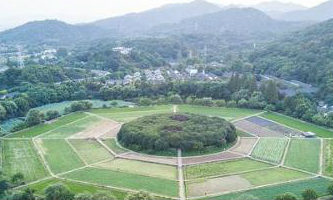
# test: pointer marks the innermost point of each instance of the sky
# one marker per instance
(17, 12)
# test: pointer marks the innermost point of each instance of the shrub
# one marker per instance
(310, 194)
(52, 114)
(286, 196)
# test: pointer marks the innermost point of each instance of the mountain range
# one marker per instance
(195, 17)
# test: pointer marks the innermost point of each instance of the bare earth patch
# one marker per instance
(102, 128)
(244, 146)
(210, 158)
(256, 130)
(148, 158)
(217, 185)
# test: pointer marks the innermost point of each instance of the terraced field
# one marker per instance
(328, 158)
(112, 144)
(20, 156)
(59, 155)
(125, 180)
(304, 154)
(223, 168)
(270, 149)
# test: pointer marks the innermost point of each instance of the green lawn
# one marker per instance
(42, 128)
(223, 168)
(20, 156)
(275, 175)
(59, 155)
(128, 114)
(73, 128)
(91, 151)
(270, 149)
(328, 158)
(125, 180)
(143, 168)
(226, 113)
(304, 154)
(76, 188)
(298, 124)
(112, 144)
(271, 192)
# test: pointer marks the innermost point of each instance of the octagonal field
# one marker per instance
(81, 150)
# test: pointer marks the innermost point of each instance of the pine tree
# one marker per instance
(272, 93)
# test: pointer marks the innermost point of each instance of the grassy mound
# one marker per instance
(168, 132)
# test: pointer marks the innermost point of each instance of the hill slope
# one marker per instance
(275, 6)
(172, 13)
(50, 31)
(236, 21)
(305, 55)
(321, 12)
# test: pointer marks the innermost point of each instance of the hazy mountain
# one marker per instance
(172, 13)
(306, 55)
(275, 6)
(50, 31)
(321, 12)
(242, 21)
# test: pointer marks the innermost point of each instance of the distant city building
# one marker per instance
(122, 50)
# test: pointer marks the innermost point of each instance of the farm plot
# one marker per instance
(102, 128)
(72, 129)
(216, 186)
(275, 175)
(148, 158)
(328, 158)
(128, 114)
(59, 155)
(271, 192)
(142, 168)
(244, 145)
(226, 113)
(43, 128)
(76, 188)
(274, 126)
(20, 156)
(90, 151)
(112, 144)
(223, 168)
(254, 129)
(270, 149)
(304, 154)
(299, 125)
(210, 158)
(125, 180)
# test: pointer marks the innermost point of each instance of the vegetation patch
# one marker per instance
(275, 175)
(304, 154)
(59, 155)
(165, 132)
(43, 128)
(90, 150)
(125, 180)
(223, 168)
(270, 149)
(226, 113)
(19, 156)
(271, 192)
(112, 144)
(143, 168)
(298, 124)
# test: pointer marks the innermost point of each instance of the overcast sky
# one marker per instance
(17, 12)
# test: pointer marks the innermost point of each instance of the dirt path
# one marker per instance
(175, 108)
(106, 147)
(240, 119)
(181, 176)
(285, 152)
(321, 162)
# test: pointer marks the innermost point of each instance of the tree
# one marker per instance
(139, 196)
(272, 93)
(286, 196)
(27, 194)
(4, 186)
(17, 178)
(330, 190)
(309, 194)
(58, 192)
(34, 117)
(52, 114)
(145, 102)
(2, 112)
